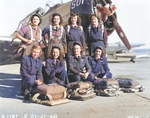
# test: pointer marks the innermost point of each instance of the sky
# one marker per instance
(133, 17)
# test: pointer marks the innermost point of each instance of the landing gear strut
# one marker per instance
(132, 60)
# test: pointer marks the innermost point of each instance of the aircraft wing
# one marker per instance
(115, 47)
(6, 49)
(116, 53)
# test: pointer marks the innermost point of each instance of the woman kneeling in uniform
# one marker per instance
(55, 68)
(78, 66)
(99, 65)
(31, 70)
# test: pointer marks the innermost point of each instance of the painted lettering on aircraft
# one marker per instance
(76, 3)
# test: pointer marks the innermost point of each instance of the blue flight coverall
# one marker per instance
(99, 68)
(96, 37)
(56, 72)
(30, 71)
(75, 34)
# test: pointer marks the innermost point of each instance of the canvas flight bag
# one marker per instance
(57, 92)
(129, 85)
(106, 87)
(80, 90)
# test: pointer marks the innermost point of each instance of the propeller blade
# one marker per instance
(121, 34)
(118, 29)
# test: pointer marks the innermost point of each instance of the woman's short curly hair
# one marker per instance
(78, 18)
(37, 47)
(37, 15)
(56, 14)
(94, 16)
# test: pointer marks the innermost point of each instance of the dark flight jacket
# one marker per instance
(76, 65)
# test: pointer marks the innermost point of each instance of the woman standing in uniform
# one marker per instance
(96, 35)
(54, 35)
(74, 33)
(30, 34)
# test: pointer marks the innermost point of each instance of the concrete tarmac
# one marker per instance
(127, 105)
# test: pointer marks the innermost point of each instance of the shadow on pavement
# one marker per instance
(10, 86)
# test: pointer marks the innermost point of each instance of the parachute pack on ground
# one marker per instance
(85, 90)
(130, 85)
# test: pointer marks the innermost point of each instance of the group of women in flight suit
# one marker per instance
(58, 40)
